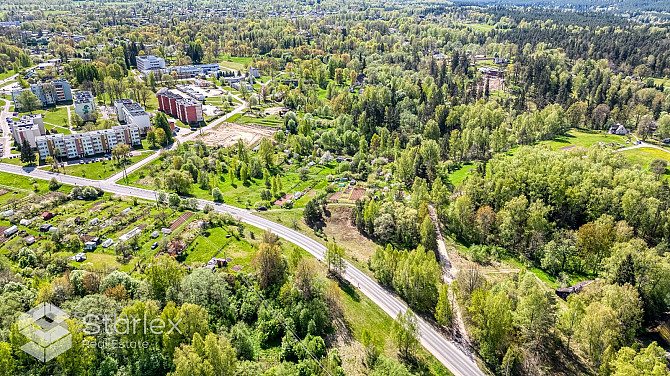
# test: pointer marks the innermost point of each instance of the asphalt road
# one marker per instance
(456, 360)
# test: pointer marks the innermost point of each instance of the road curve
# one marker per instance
(455, 359)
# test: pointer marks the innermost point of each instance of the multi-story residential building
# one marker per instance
(87, 144)
(49, 93)
(29, 127)
(84, 104)
(149, 62)
(187, 71)
(188, 110)
(129, 112)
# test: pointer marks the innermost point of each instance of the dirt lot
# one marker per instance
(227, 134)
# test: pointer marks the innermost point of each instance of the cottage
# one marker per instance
(30, 240)
(166, 231)
(564, 292)
(618, 129)
(94, 221)
(47, 215)
(25, 222)
(155, 234)
(79, 257)
(11, 231)
(90, 246)
(8, 213)
(107, 243)
(45, 227)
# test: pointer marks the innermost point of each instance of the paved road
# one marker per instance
(456, 360)
(644, 145)
(6, 139)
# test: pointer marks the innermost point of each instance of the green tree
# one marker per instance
(443, 311)
(164, 272)
(491, 312)
(217, 195)
(335, 259)
(27, 153)
(27, 101)
(270, 265)
(405, 333)
(650, 360)
(161, 122)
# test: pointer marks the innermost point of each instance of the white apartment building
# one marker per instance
(84, 104)
(129, 112)
(29, 127)
(87, 144)
(149, 62)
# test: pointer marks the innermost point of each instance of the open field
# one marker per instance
(102, 169)
(585, 139)
(644, 156)
(227, 134)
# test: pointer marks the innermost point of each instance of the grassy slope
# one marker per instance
(101, 170)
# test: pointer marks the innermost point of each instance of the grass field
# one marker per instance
(644, 156)
(457, 177)
(267, 120)
(235, 62)
(102, 169)
(584, 139)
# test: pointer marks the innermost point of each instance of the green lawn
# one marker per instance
(584, 139)
(57, 116)
(267, 120)
(235, 63)
(102, 169)
(457, 177)
(644, 156)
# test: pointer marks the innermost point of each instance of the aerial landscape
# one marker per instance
(331, 188)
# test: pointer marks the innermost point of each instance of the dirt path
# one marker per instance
(449, 273)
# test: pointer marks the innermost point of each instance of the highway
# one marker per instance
(459, 362)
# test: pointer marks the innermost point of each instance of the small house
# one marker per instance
(25, 222)
(30, 240)
(45, 227)
(564, 292)
(8, 213)
(53, 229)
(166, 231)
(79, 257)
(155, 234)
(618, 129)
(47, 216)
(107, 243)
(94, 221)
(90, 246)
(11, 231)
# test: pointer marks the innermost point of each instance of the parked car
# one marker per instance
(154, 245)
(666, 141)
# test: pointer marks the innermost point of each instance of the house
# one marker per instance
(618, 129)
(107, 243)
(8, 213)
(154, 235)
(25, 222)
(11, 231)
(45, 227)
(90, 246)
(253, 72)
(166, 231)
(217, 262)
(30, 240)
(94, 221)
(79, 257)
(47, 216)
(564, 292)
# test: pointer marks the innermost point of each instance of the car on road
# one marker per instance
(666, 141)
(262, 208)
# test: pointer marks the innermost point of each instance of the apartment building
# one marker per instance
(149, 62)
(188, 110)
(49, 93)
(87, 144)
(28, 127)
(129, 112)
(84, 104)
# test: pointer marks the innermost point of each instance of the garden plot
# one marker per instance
(227, 134)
